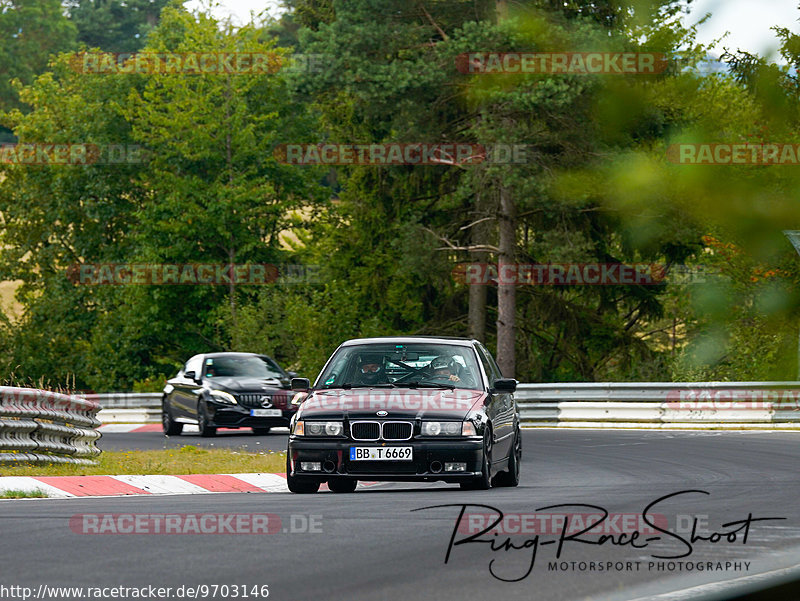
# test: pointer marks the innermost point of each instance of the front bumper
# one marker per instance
(427, 453)
(236, 416)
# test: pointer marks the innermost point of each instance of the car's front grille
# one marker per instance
(253, 400)
(373, 430)
(365, 430)
(397, 430)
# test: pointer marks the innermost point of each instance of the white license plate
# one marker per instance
(381, 453)
(266, 412)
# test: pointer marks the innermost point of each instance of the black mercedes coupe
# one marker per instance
(405, 409)
(228, 390)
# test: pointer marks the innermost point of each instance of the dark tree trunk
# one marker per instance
(481, 233)
(506, 292)
(507, 244)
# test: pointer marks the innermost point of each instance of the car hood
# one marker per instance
(397, 402)
(245, 384)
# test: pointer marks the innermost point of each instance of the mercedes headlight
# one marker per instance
(223, 397)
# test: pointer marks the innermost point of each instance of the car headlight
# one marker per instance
(223, 397)
(441, 429)
(305, 428)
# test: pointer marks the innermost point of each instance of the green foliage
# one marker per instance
(210, 193)
(744, 325)
(402, 87)
(114, 25)
(598, 188)
(31, 30)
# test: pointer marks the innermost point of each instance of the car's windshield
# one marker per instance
(406, 365)
(240, 367)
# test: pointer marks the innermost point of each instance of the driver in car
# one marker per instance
(445, 368)
(370, 370)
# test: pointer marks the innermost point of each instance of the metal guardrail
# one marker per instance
(690, 405)
(38, 426)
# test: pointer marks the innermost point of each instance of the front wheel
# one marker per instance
(206, 431)
(298, 485)
(511, 477)
(170, 427)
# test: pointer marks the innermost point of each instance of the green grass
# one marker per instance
(23, 494)
(186, 460)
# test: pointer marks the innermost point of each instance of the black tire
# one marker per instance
(299, 486)
(169, 427)
(511, 477)
(342, 485)
(206, 431)
(261, 431)
(484, 481)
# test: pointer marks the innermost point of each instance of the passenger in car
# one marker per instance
(445, 368)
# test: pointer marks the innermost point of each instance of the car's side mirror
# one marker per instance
(301, 384)
(190, 375)
(292, 374)
(505, 385)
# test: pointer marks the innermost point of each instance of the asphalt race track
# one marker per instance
(242, 439)
(374, 546)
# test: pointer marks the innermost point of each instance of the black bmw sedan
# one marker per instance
(405, 409)
(228, 390)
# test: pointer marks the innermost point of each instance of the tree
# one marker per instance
(598, 186)
(394, 77)
(115, 25)
(32, 31)
(211, 192)
(54, 216)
